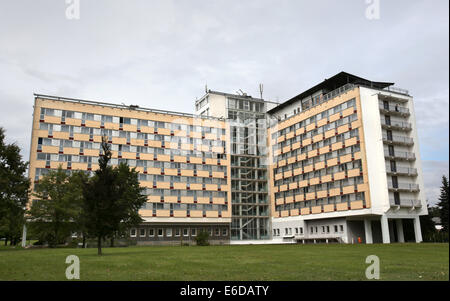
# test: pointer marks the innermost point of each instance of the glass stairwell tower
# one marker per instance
(247, 119)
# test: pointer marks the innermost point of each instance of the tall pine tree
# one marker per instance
(443, 204)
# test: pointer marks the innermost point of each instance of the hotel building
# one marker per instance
(339, 162)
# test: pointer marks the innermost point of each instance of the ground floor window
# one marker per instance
(160, 232)
(169, 232)
(185, 232)
(151, 232)
(177, 232)
(133, 232)
(142, 232)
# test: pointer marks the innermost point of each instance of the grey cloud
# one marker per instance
(160, 54)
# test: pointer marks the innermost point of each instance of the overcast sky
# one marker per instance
(160, 54)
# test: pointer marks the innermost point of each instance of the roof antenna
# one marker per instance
(206, 87)
(261, 90)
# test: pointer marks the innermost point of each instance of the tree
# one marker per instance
(112, 198)
(54, 212)
(427, 225)
(14, 189)
(443, 204)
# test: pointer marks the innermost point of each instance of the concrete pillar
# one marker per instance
(24, 235)
(400, 235)
(391, 230)
(417, 230)
(385, 229)
(368, 231)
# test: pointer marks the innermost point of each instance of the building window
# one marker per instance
(341, 228)
(216, 231)
(194, 232)
(185, 232)
(224, 231)
(142, 232)
(169, 232)
(151, 232)
(160, 232)
(328, 229)
(133, 232)
(296, 230)
(335, 228)
(301, 230)
(177, 232)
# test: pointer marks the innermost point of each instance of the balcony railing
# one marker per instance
(398, 139)
(401, 125)
(406, 203)
(402, 171)
(394, 109)
(396, 90)
(403, 186)
(400, 155)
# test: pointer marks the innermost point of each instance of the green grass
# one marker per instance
(424, 261)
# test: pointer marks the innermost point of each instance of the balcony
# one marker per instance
(406, 203)
(409, 156)
(401, 171)
(396, 125)
(401, 140)
(409, 187)
(394, 109)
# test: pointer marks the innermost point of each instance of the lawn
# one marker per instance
(424, 261)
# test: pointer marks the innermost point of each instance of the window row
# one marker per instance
(181, 179)
(71, 129)
(178, 206)
(82, 145)
(125, 120)
(345, 198)
(177, 232)
(184, 192)
(146, 164)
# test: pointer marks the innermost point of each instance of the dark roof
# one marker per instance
(332, 83)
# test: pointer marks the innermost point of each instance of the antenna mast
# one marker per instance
(261, 90)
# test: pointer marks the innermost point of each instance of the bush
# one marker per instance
(202, 239)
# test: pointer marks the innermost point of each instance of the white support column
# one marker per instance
(417, 230)
(401, 236)
(385, 229)
(24, 235)
(368, 231)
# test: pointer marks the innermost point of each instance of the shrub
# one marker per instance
(202, 239)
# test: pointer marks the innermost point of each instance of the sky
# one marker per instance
(161, 54)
